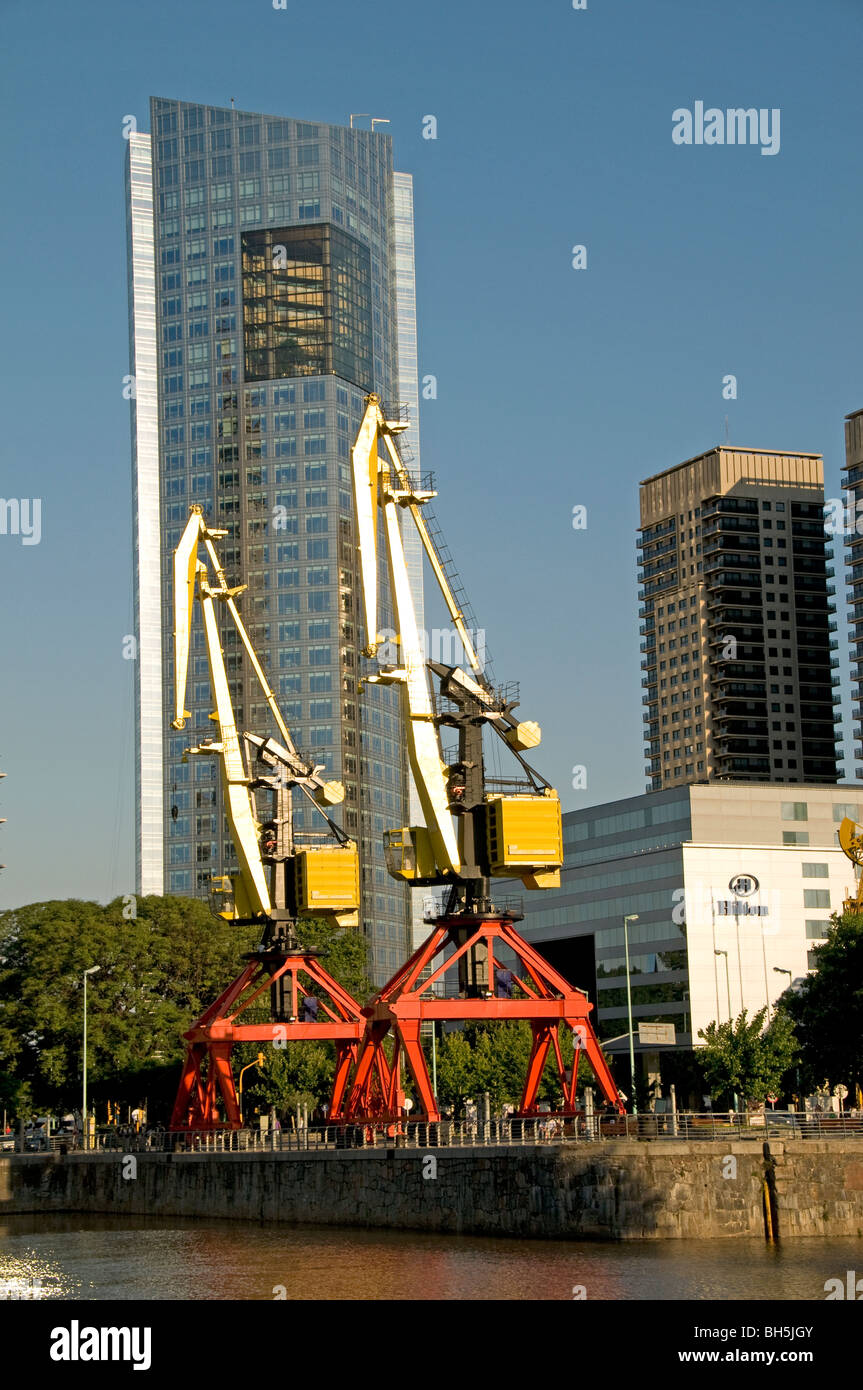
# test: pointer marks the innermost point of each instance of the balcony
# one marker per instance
(729, 506)
(750, 747)
(745, 651)
(738, 727)
(730, 556)
(722, 578)
(752, 766)
(740, 672)
(720, 614)
(744, 689)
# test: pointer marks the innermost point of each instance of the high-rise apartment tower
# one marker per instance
(737, 626)
(852, 527)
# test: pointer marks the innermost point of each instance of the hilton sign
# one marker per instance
(742, 886)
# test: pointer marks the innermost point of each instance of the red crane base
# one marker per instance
(407, 1001)
(203, 1088)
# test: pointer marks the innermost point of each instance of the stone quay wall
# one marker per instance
(618, 1190)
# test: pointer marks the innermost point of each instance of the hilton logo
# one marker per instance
(742, 886)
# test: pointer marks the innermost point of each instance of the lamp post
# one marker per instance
(780, 970)
(727, 981)
(766, 984)
(86, 1137)
(631, 917)
(258, 1062)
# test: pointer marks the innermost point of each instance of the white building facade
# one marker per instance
(753, 916)
(728, 889)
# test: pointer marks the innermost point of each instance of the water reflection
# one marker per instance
(87, 1257)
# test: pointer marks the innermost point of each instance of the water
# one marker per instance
(101, 1257)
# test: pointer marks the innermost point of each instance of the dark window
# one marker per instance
(307, 304)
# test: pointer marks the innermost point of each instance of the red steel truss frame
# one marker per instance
(213, 1036)
(406, 1002)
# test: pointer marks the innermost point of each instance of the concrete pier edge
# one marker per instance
(618, 1190)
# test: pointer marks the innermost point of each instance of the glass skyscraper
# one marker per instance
(271, 287)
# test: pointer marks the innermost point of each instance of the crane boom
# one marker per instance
(239, 803)
(320, 880)
(468, 834)
(423, 743)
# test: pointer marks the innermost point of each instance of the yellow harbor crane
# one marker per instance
(279, 880)
(477, 829)
(470, 833)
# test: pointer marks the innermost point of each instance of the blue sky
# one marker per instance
(555, 386)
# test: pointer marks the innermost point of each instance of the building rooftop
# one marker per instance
(734, 449)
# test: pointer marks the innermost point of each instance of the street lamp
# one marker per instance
(631, 917)
(92, 971)
(780, 970)
(258, 1062)
(727, 981)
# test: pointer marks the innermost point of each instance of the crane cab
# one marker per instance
(524, 838)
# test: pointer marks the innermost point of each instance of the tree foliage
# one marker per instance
(743, 1056)
(493, 1057)
(298, 1074)
(158, 970)
(827, 1008)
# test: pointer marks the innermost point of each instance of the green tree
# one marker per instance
(457, 1073)
(827, 1008)
(300, 1073)
(745, 1057)
(159, 969)
(494, 1057)
(162, 962)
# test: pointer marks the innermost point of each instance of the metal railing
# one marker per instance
(381, 1135)
(725, 1124)
(543, 1129)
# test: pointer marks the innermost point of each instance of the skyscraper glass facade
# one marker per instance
(143, 369)
(275, 313)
